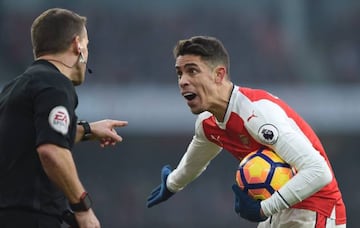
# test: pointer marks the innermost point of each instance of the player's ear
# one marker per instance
(220, 72)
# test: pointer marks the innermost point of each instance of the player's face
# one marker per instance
(196, 82)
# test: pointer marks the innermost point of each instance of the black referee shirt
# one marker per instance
(36, 107)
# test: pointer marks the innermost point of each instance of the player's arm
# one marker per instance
(195, 160)
(103, 131)
(313, 172)
(290, 144)
(192, 164)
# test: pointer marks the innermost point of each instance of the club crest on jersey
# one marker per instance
(59, 119)
(268, 134)
(244, 140)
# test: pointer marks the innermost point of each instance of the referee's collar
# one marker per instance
(45, 62)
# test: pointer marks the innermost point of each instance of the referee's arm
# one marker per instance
(59, 166)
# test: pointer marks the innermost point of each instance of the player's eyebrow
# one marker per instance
(187, 65)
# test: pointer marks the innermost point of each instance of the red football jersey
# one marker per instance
(255, 119)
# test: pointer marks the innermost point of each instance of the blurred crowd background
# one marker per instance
(307, 52)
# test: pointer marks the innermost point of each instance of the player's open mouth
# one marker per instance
(189, 96)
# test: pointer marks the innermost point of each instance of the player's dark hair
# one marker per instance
(54, 30)
(208, 48)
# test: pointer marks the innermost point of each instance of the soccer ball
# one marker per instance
(262, 172)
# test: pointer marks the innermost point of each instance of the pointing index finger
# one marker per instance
(119, 123)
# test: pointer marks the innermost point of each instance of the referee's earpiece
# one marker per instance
(82, 59)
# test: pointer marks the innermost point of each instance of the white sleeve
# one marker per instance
(197, 157)
(293, 146)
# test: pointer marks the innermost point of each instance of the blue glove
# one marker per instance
(161, 192)
(247, 207)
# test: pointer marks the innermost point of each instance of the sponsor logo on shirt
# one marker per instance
(252, 116)
(217, 139)
(268, 134)
(59, 119)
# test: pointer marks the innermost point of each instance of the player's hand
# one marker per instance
(87, 219)
(104, 131)
(247, 207)
(161, 192)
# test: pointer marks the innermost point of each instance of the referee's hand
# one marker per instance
(104, 131)
(69, 218)
(87, 219)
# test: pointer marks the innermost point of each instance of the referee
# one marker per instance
(39, 127)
